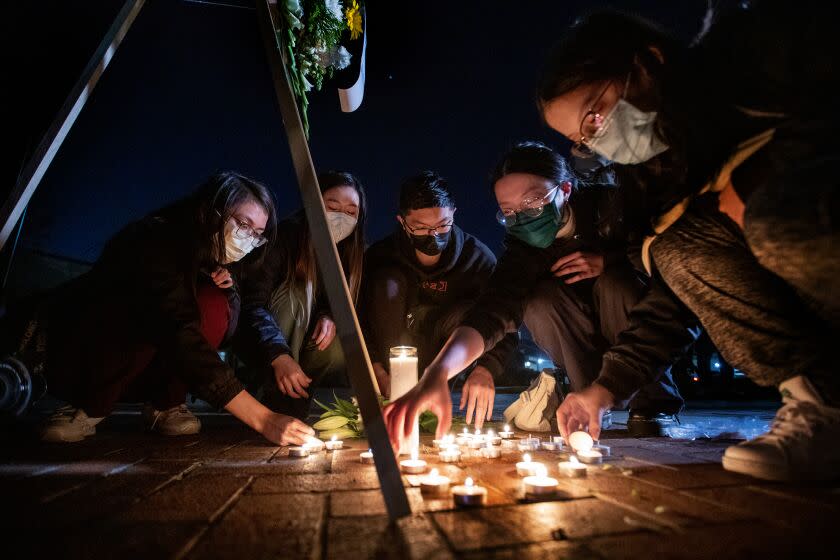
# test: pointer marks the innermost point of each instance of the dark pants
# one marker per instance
(395, 319)
(759, 306)
(316, 364)
(576, 324)
(116, 368)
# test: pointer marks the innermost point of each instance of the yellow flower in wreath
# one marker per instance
(354, 20)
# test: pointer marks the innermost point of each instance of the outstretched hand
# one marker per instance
(583, 411)
(478, 395)
(431, 393)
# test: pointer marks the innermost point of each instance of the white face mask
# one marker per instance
(341, 225)
(235, 248)
(627, 135)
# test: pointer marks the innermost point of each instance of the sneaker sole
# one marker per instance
(81, 437)
(755, 469)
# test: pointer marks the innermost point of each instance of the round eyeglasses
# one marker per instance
(242, 230)
(530, 207)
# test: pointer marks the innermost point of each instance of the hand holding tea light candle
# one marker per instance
(434, 483)
(572, 468)
(404, 377)
(506, 433)
(468, 494)
(366, 457)
(540, 484)
(526, 467)
(334, 443)
(413, 465)
(590, 456)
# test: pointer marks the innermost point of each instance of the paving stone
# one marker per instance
(368, 502)
(196, 498)
(539, 551)
(281, 483)
(736, 541)
(359, 538)
(421, 540)
(775, 509)
(691, 476)
(664, 504)
(491, 527)
(266, 526)
(258, 451)
(828, 495)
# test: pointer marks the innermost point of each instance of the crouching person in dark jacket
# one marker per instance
(146, 322)
(420, 281)
(565, 274)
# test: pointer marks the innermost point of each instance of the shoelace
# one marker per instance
(793, 420)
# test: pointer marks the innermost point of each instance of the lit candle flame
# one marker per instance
(478, 431)
(574, 460)
(414, 454)
(540, 470)
(466, 431)
(433, 472)
(469, 481)
(490, 433)
(526, 458)
(370, 451)
(334, 438)
(507, 428)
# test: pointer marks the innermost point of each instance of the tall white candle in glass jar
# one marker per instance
(403, 378)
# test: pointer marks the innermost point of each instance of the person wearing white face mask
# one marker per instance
(730, 146)
(146, 322)
(286, 335)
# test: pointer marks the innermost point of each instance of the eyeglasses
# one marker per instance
(590, 127)
(437, 230)
(242, 230)
(530, 207)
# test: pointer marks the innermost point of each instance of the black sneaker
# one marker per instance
(645, 423)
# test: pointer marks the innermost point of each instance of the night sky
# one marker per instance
(450, 86)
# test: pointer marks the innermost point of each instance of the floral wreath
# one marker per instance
(311, 34)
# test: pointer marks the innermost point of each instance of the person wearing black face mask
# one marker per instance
(420, 280)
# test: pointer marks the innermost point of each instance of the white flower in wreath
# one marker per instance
(338, 57)
(334, 7)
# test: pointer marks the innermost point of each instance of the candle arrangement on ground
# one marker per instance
(434, 484)
(527, 467)
(539, 484)
(469, 494)
(415, 465)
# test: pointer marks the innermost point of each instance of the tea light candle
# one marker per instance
(526, 467)
(532, 443)
(298, 452)
(551, 446)
(572, 468)
(434, 483)
(580, 441)
(558, 440)
(314, 445)
(492, 438)
(540, 484)
(603, 449)
(366, 457)
(509, 444)
(447, 441)
(506, 433)
(451, 455)
(491, 452)
(590, 456)
(403, 361)
(413, 465)
(463, 438)
(468, 494)
(476, 443)
(334, 443)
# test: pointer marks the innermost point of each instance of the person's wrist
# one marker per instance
(603, 396)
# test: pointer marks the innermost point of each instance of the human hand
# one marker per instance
(586, 265)
(290, 378)
(583, 410)
(478, 395)
(324, 332)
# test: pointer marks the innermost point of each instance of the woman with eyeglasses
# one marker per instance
(565, 274)
(145, 323)
(286, 335)
(731, 143)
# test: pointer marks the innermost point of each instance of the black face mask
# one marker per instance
(430, 244)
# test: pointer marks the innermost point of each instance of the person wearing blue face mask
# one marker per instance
(730, 143)
(419, 283)
(565, 274)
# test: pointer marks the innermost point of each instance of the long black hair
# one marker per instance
(304, 269)
(612, 46)
(203, 216)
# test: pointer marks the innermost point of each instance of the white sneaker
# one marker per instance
(68, 424)
(177, 421)
(803, 443)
